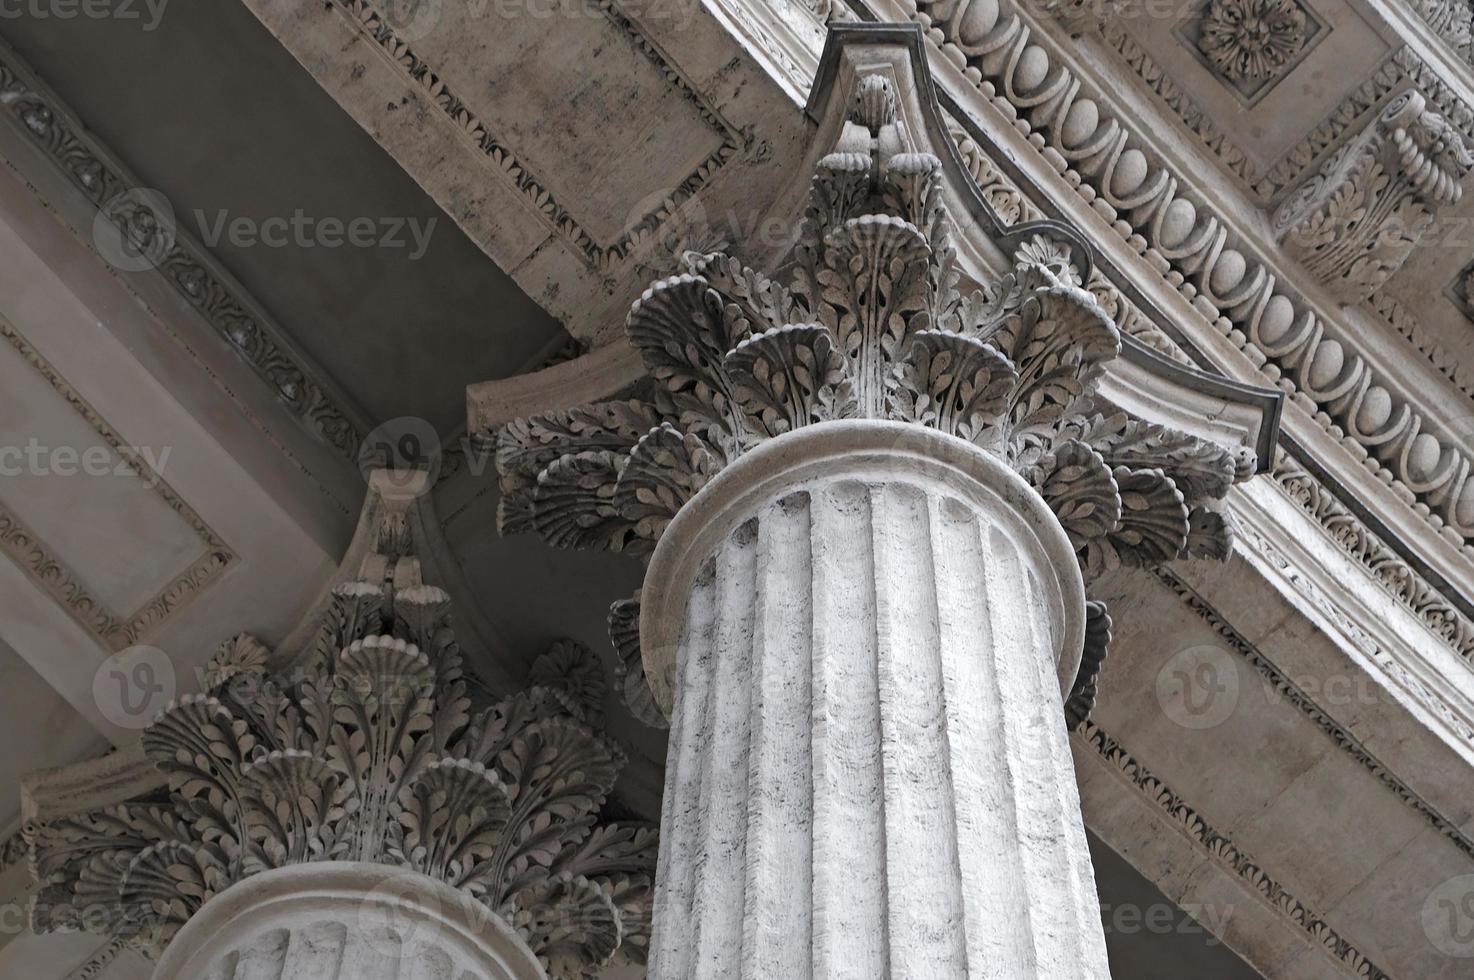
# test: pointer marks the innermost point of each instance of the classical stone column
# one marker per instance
(869, 773)
(872, 493)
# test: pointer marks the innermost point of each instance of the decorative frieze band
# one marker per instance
(1452, 20)
(1358, 541)
(1342, 738)
(184, 265)
(1385, 565)
(366, 15)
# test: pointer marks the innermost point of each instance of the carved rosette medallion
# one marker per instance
(1252, 39)
(375, 751)
(871, 321)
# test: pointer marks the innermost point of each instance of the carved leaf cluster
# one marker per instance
(373, 751)
(1356, 222)
(871, 323)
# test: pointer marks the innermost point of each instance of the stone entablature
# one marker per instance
(1299, 348)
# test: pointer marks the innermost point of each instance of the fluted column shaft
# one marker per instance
(869, 773)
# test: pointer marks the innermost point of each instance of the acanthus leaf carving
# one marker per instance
(1355, 222)
(874, 324)
(372, 750)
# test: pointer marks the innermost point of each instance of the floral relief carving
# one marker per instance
(874, 322)
(1252, 39)
(375, 749)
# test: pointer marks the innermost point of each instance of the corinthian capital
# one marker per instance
(873, 316)
(372, 749)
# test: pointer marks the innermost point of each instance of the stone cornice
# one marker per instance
(1446, 618)
(1124, 180)
(1277, 179)
(1402, 69)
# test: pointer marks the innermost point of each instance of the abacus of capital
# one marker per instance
(873, 483)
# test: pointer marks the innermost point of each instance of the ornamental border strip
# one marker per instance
(1200, 265)
(100, 960)
(1443, 16)
(190, 271)
(1223, 850)
(1332, 729)
(1384, 564)
(1410, 326)
(1460, 725)
(363, 16)
(115, 631)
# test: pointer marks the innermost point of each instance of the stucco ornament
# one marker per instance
(871, 322)
(374, 751)
(1252, 39)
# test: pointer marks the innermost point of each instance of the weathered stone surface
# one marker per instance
(869, 776)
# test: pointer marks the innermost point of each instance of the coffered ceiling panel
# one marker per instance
(1265, 71)
(93, 502)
